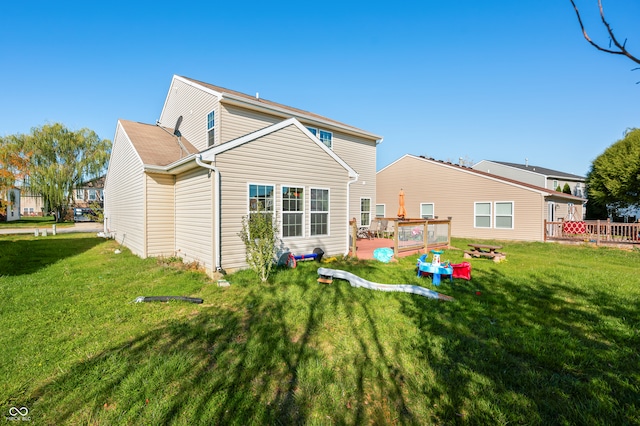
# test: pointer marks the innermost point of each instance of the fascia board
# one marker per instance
(198, 86)
(210, 154)
(283, 112)
(389, 165)
(182, 165)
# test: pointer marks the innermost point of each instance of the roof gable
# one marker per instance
(156, 145)
(209, 154)
(254, 102)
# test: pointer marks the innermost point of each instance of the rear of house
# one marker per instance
(183, 190)
(480, 205)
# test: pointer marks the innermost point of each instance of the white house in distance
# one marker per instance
(481, 205)
(181, 187)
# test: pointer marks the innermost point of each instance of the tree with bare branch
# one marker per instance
(618, 48)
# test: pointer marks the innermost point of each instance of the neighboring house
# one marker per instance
(181, 187)
(11, 205)
(88, 193)
(535, 175)
(481, 205)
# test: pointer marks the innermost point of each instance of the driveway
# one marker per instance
(77, 227)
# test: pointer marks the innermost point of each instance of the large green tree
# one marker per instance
(614, 178)
(57, 160)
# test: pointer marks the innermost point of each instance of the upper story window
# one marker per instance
(325, 136)
(92, 195)
(79, 194)
(211, 125)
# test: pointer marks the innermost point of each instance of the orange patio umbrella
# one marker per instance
(402, 212)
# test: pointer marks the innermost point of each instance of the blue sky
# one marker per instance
(498, 80)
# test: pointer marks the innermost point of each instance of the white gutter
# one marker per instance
(348, 208)
(216, 208)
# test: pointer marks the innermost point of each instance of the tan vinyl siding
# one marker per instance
(124, 195)
(193, 104)
(237, 122)
(160, 215)
(286, 157)
(359, 153)
(194, 217)
(453, 192)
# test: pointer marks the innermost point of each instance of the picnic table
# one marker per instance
(485, 250)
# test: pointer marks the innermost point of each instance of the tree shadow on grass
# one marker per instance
(249, 363)
(526, 350)
(23, 255)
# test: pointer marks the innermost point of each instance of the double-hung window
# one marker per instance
(504, 215)
(365, 211)
(292, 211)
(261, 200)
(211, 128)
(79, 194)
(319, 211)
(426, 210)
(92, 195)
(482, 215)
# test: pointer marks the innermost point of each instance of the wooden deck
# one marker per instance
(365, 247)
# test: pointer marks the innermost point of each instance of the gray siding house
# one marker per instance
(535, 175)
(182, 186)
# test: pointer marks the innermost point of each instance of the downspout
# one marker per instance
(348, 210)
(216, 213)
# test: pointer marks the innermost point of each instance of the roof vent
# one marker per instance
(176, 130)
(258, 95)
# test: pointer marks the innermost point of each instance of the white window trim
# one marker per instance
(320, 138)
(212, 128)
(313, 131)
(275, 196)
(282, 212)
(328, 234)
(433, 209)
(360, 211)
(384, 210)
(513, 214)
(475, 214)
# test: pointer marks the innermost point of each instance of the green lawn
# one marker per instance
(550, 336)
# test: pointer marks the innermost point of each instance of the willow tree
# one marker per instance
(58, 160)
(614, 178)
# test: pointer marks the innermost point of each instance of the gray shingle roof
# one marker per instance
(541, 170)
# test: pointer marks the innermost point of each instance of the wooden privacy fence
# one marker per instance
(594, 231)
(410, 234)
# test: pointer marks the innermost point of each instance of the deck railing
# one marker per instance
(595, 231)
(412, 234)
